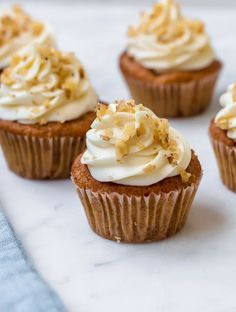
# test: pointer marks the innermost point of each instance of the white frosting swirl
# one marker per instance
(226, 117)
(43, 85)
(229, 97)
(17, 30)
(165, 40)
(128, 144)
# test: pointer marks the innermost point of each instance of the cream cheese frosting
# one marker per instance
(128, 144)
(17, 30)
(166, 40)
(42, 85)
(226, 117)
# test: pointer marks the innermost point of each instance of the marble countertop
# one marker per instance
(193, 271)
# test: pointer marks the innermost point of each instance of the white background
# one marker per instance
(193, 271)
(204, 3)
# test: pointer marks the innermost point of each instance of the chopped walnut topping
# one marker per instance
(128, 131)
(102, 109)
(121, 148)
(161, 132)
(107, 134)
(15, 23)
(149, 169)
(125, 106)
(104, 137)
(64, 72)
(141, 130)
(223, 124)
(132, 132)
(196, 26)
(6, 78)
(169, 28)
(162, 138)
(172, 159)
(185, 176)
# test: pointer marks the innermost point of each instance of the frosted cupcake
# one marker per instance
(47, 104)
(17, 30)
(169, 63)
(138, 177)
(223, 136)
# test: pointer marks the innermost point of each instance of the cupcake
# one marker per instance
(47, 104)
(169, 63)
(17, 31)
(138, 176)
(223, 137)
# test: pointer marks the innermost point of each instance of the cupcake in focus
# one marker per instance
(47, 104)
(17, 30)
(169, 63)
(138, 177)
(223, 137)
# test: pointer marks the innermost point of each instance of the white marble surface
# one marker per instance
(193, 271)
(219, 3)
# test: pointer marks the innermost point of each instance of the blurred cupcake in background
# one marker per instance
(138, 177)
(169, 63)
(47, 105)
(17, 29)
(223, 136)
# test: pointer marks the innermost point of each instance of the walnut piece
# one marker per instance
(101, 110)
(65, 69)
(17, 22)
(121, 149)
(160, 22)
(185, 176)
(149, 168)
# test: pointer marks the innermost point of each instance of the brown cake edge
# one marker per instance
(132, 68)
(83, 179)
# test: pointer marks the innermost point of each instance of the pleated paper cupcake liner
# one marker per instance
(137, 219)
(226, 160)
(174, 99)
(40, 158)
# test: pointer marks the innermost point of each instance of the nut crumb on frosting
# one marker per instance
(138, 149)
(225, 118)
(168, 31)
(222, 123)
(17, 22)
(104, 137)
(149, 168)
(121, 148)
(185, 176)
(165, 40)
(125, 106)
(171, 159)
(102, 109)
(51, 82)
(64, 70)
(130, 133)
